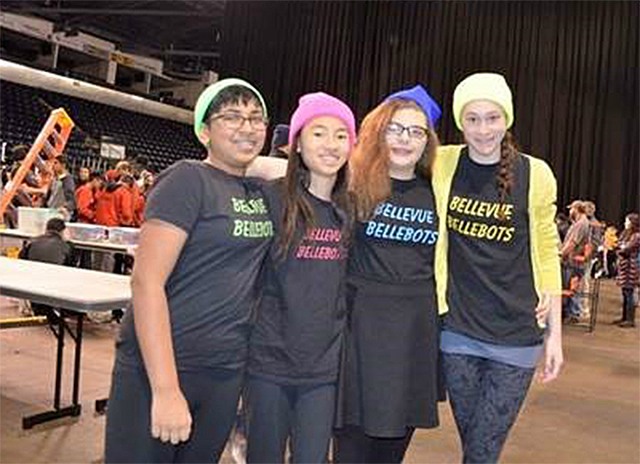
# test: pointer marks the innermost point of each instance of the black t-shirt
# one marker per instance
(397, 245)
(298, 331)
(212, 290)
(491, 293)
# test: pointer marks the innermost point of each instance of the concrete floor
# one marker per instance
(591, 414)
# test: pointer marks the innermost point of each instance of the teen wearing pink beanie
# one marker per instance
(297, 337)
(313, 105)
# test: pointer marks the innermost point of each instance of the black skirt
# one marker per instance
(389, 377)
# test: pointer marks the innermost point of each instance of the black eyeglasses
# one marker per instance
(234, 121)
(415, 132)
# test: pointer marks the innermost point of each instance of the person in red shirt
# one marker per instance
(86, 198)
(106, 215)
(86, 210)
(124, 197)
(106, 211)
(124, 200)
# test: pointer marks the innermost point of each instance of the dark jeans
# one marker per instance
(485, 397)
(352, 445)
(277, 412)
(571, 304)
(212, 395)
(628, 306)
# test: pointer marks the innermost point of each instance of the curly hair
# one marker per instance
(369, 163)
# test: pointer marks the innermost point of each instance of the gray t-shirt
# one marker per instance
(62, 193)
(578, 234)
(211, 291)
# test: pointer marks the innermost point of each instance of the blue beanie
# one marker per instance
(421, 97)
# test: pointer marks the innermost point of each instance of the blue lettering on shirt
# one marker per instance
(403, 233)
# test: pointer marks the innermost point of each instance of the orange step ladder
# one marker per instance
(49, 144)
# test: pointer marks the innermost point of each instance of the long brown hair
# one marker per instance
(634, 219)
(298, 213)
(369, 163)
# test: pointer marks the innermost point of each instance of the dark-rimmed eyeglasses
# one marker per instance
(234, 121)
(415, 132)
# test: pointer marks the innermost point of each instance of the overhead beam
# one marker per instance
(202, 6)
(114, 12)
(170, 52)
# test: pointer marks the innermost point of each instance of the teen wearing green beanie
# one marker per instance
(497, 268)
(183, 345)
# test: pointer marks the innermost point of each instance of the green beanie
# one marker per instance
(210, 93)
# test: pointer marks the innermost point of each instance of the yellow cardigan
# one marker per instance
(543, 232)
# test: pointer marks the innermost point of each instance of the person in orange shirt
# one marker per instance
(124, 200)
(106, 215)
(106, 211)
(86, 210)
(125, 196)
(86, 198)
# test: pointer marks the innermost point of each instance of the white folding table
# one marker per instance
(73, 292)
(94, 246)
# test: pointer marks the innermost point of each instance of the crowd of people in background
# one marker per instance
(113, 198)
(594, 249)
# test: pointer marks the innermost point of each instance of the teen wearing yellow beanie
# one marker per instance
(483, 86)
(496, 267)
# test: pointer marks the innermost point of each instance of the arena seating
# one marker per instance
(25, 109)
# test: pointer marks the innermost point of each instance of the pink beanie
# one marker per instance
(313, 105)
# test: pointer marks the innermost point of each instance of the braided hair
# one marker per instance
(505, 178)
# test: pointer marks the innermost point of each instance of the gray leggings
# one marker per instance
(212, 395)
(485, 397)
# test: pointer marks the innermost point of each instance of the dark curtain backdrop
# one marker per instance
(573, 68)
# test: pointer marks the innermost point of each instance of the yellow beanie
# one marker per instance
(483, 86)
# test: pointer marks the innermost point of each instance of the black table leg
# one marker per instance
(76, 408)
(76, 360)
(59, 362)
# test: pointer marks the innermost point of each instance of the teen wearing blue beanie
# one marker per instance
(389, 384)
